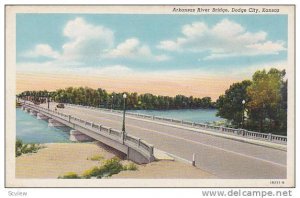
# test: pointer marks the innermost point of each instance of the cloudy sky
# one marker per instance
(199, 55)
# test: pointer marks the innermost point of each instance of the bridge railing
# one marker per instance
(227, 130)
(122, 137)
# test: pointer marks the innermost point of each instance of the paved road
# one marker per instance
(222, 157)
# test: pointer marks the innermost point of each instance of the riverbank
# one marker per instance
(57, 159)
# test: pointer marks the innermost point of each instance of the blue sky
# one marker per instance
(150, 31)
(235, 45)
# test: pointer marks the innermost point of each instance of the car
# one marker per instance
(60, 105)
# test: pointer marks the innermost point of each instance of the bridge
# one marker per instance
(225, 152)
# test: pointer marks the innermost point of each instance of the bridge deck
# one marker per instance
(222, 157)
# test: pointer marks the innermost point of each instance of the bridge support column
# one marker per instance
(54, 123)
(32, 112)
(40, 116)
(77, 136)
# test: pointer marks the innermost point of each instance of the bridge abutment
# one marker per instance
(137, 157)
(77, 136)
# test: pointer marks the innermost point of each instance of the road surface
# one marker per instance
(225, 158)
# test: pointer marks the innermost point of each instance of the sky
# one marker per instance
(199, 55)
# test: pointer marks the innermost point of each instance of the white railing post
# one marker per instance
(194, 159)
(244, 132)
(240, 132)
(270, 136)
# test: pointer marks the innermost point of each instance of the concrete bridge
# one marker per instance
(136, 149)
(224, 152)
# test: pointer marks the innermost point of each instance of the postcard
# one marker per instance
(150, 95)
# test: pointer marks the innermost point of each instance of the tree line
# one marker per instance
(101, 98)
(264, 108)
(265, 103)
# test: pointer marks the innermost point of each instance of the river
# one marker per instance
(31, 130)
(193, 115)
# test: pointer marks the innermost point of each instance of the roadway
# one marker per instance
(224, 158)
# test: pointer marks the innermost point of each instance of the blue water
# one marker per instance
(193, 115)
(31, 130)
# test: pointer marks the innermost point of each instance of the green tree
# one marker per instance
(267, 95)
(230, 105)
(99, 97)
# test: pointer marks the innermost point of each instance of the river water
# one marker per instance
(193, 115)
(31, 130)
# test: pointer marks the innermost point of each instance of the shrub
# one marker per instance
(26, 148)
(94, 172)
(131, 166)
(97, 158)
(19, 144)
(69, 175)
(109, 167)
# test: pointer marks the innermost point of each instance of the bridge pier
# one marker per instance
(77, 136)
(40, 116)
(54, 123)
(83, 130)
(32, 112)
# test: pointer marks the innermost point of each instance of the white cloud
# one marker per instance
(225, 39)
(41, 50)
(86, 40)
(132, 48)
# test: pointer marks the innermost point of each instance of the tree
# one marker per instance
(267, 95)
(230, 105)
(99, 97)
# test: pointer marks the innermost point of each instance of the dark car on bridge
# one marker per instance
(60, 105)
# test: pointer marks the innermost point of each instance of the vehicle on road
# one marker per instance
(60, 105)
